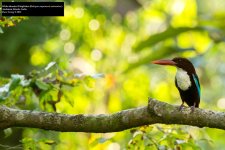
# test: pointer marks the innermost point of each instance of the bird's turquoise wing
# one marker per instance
(195, 77)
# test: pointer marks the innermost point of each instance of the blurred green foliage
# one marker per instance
(119, 39)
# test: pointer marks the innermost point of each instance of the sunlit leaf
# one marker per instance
(50, 68)
(100, 140)
(4, 92)
(136, 141)
(7, 132)
(49, 142)
(29, 143)
(15, 81)
(4, 88)
(25, 82)
(89, 82)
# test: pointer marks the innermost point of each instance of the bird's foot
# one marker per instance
(181, 107)
(192, 109)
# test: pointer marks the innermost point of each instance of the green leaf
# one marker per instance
(51, 67)
(1, 31)
(4, 81)
(8, 132)
(66, 90)
(2, 98)
(4, 90)
(89, 82)
(15, 82)
(100, 140)
(25, 83)
(42, 85)
(49, 142)
(29, 143)
(169, 33)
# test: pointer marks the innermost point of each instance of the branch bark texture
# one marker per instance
(155, 112)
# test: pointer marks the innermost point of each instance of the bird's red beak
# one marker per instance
(164, 62)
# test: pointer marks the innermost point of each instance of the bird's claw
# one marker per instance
(181, 107)
(192, 109)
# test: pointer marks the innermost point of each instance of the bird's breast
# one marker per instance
(183, 79)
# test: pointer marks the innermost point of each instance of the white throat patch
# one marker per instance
(183, 79)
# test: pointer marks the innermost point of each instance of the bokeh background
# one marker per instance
(120, 39)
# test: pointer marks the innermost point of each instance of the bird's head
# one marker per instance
(178, 62)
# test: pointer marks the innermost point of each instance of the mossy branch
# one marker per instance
(155, 112)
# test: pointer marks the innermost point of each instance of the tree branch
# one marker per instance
(155, 112)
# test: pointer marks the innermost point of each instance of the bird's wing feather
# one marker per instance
(196, 80)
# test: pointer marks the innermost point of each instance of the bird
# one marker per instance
(186, 81)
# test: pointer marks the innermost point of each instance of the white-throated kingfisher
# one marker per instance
(186, 81)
